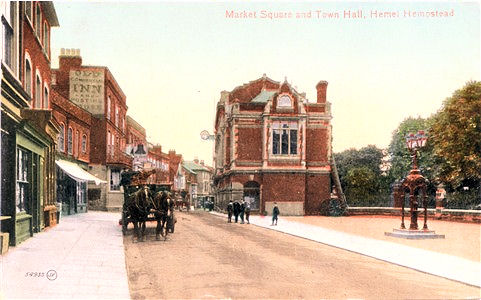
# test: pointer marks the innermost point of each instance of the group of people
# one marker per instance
(239, 210)
(244, 208)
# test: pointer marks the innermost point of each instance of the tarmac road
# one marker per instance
(207, 257)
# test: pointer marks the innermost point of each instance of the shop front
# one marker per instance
(72, 181)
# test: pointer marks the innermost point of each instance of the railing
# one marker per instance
(117, 157)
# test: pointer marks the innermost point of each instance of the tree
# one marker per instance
(456, 137)
(401, 159)
(360, 175)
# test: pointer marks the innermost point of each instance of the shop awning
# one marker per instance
(77, 172)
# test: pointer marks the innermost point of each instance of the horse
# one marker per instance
(138, 209)
(163, 208)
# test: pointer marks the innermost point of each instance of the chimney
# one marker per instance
(201, 162)
(69, 58)
(321, 88)
(196, 160)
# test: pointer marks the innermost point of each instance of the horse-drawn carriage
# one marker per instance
(146, 202)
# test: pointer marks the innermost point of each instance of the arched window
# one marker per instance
(38, 93)
(28, 10)
(252, 194)
(28, 77)
(45, 37)
(69, 140)
(61, 138)
(84, 143)
(45, 97)
(116, 116)
(108, 107)
(77, 139)
(284, 101)
(38, 21)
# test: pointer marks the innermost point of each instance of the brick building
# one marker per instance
(202, 190)
(73, 154)
(94, 89)
(272, 144)
(28, 131)
(136, 138)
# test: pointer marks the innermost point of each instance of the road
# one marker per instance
(207, 257)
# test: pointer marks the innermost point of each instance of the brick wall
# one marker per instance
(316, 144)
(38, 56)
(251, 146)
(317, 191)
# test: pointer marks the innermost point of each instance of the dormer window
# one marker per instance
(284, 101)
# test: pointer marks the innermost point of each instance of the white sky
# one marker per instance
(172, 60)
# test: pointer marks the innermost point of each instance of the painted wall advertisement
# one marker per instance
(87, 90)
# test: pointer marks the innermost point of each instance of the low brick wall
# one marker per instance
(459, 215)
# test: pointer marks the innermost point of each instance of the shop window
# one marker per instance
(115, 180)
(22, 179)
(69, 141)
(284, 139)
(61, 138)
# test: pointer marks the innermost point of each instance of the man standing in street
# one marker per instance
(248, 211)
(236, 211)
(275, 213)
(241, 212)
(230, 208)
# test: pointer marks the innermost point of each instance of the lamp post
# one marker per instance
(415, 182)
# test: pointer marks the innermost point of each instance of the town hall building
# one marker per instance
(273, 145)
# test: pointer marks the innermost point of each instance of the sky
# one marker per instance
(172, 59)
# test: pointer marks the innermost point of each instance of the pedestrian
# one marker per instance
(248, 211)
(241, 212)
(230, 208)
(275, 213)
(236, 211)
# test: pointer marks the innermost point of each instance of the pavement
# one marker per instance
(82, 257)
(454, 267)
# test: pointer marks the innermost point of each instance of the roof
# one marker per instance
(49, 11)
(189, 169)
(263, 96)
(190, 165)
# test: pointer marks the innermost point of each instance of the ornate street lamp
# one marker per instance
(415, 182)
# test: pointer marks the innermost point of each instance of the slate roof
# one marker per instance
(190, 165)
(263, 96)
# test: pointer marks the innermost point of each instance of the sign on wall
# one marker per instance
(87, 90)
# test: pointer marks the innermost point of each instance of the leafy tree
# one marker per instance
(401, 159)
(361, 177)
(369, 157)
(456, 137)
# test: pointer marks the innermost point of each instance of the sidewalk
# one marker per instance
(392, 250)
(82, 257)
